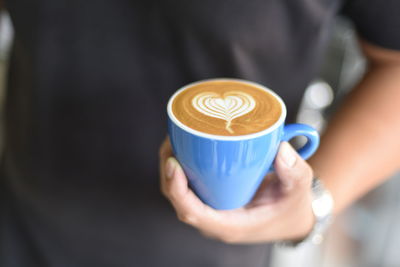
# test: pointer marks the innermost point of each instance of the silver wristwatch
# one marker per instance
(322, 208)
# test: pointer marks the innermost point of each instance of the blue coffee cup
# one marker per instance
(226, 171)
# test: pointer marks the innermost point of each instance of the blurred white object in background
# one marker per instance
(6, 35)
(318, 96)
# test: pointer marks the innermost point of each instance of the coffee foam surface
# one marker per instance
(228, 108)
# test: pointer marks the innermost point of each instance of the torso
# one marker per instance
(80, 168)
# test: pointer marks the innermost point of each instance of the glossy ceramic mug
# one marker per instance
(226, 171)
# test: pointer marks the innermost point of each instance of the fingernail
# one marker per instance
(170, 168)
(288, 154)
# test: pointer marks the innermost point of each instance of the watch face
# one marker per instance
(322, 204)
(322, 207)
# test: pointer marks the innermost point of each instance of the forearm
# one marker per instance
(361, 147)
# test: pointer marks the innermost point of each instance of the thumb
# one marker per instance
(292, 170)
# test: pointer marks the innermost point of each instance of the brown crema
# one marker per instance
(226, 107)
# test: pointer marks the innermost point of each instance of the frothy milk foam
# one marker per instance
(230, 106)
(226, 107)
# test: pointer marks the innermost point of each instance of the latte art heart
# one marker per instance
(225, 107)
(231, 105)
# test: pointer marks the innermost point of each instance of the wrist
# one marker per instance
(321, 217)
(309, 220)
(303, 224)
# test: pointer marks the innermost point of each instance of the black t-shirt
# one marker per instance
(85, 115)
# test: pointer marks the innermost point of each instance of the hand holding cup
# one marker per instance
(280, 209)
(225, 133)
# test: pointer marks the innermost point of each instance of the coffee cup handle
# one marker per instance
(297, 129)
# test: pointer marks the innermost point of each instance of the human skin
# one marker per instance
(361, 147)
(359, 150)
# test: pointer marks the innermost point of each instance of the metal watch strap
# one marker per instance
(322, 208)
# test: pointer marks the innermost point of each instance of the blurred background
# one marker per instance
(367, 234)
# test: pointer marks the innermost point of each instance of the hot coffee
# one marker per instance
(226, 107)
